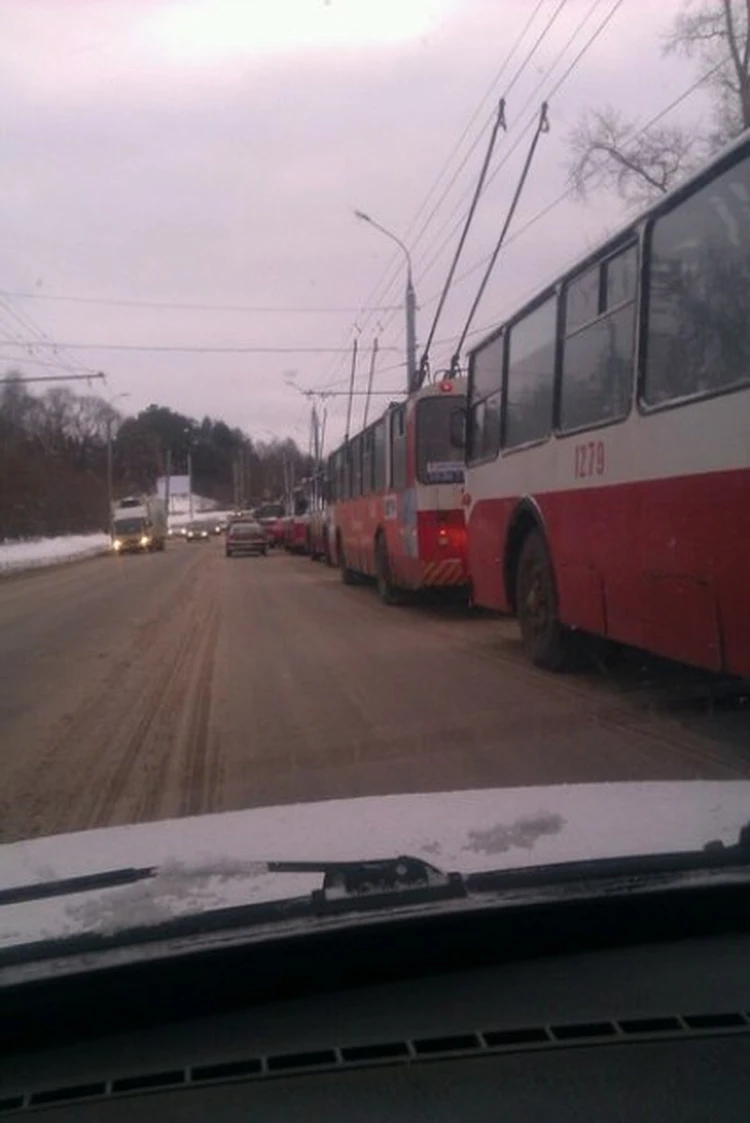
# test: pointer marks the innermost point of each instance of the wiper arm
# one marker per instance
(404, 879)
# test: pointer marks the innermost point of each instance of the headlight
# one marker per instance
(117, 544)
(145, 540)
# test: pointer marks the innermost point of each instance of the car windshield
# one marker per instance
(374, 437)
(439, 460)
(128, 526)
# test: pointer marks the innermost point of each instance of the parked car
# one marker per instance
(197, 532)
(246, 536)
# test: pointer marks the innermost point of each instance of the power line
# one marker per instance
(198, 350)
(22, 360)
(431, 262)
(391, 270)
(571, 189)
(50, 378)
(196, 307)
(526, 61)
(529, 124)
(42, 339)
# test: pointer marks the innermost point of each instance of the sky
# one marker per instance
(209, 155)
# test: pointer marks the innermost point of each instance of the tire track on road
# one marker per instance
(200, 775)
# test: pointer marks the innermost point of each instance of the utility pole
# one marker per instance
(411, 334)
(351, 388)
(109, 473)
(410, 304)
(110, 485)
(168, 479)
(370, 378)
(190, 484)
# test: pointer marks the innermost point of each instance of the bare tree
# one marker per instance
(606, 151)
(716, 34)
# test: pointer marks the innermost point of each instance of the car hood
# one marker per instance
(217, 860)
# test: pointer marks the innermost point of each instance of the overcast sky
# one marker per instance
(213, 152)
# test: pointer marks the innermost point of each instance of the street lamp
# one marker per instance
(410, 303)
(111, 402)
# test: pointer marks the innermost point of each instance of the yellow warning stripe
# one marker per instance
(444, 573)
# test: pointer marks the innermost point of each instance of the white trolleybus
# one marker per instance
(608, 439)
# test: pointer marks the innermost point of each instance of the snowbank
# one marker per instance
(47, 551)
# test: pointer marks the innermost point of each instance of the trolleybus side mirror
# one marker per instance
(458, 427)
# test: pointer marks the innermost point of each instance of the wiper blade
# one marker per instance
(715, 856)
(348, 887)
(65, 886)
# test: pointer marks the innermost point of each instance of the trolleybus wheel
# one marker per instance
(347, 574)
(544, 638)
(387, 591)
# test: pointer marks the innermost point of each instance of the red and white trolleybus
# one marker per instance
(394, 496)
(608, 439)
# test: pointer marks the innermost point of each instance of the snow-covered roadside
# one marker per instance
(36, 552)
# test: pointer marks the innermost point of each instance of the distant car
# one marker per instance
(218, 527)
(246, 536)
(197, 532)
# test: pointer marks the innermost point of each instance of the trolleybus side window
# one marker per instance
(531, 376)
(378, 436)
(598, 348)
(698, 334)
(398, 449)
(483, 435)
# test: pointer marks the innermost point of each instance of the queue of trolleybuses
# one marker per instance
(592, 472)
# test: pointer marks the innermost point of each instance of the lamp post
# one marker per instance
(410, 303)
(111, 401)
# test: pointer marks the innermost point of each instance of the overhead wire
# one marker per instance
(192, 306)
(385, 288)
(525, 129)
(194, 349)
(532, 97)
(571, 190)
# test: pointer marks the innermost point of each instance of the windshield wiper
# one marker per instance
(341, 880)
(373, 886)
(370, 879)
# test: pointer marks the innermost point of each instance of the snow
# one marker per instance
(34, 552)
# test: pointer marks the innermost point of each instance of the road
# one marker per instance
(149, 687)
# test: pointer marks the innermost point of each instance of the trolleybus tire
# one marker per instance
(545, 640)
(347, 575)
(387, 591)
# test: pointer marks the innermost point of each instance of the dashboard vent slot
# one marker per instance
(387, 1051)
(231, 1070)
(72, 1092)
(318, 1059)
(502, 1038)
(488, 1042)
(583, 1029)
(713, 1021)
(649, 1025)
(457, 1044)
(148, 1080)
